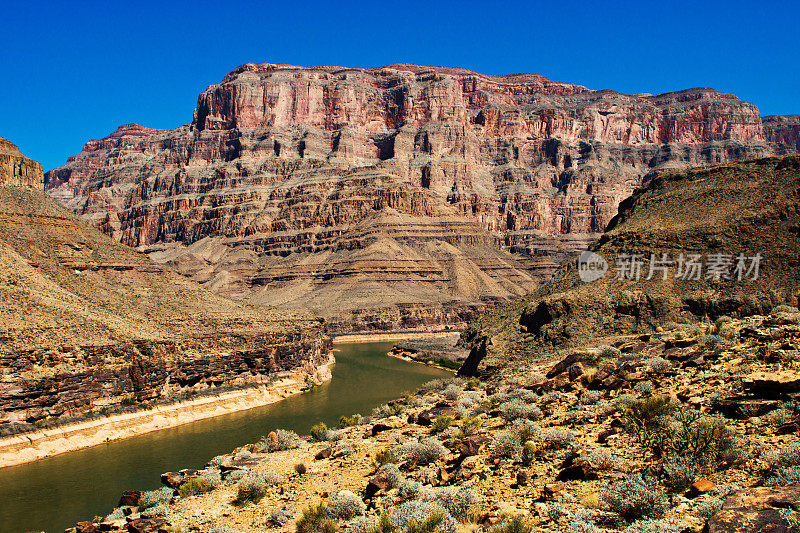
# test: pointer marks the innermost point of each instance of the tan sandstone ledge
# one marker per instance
(391, 337)
(32, 446)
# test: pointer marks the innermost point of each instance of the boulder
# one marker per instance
(147, 525)
(129, 498)
(756, 509)
(772, 384)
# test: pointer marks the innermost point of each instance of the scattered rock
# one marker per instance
(130, 498)
(755, 510)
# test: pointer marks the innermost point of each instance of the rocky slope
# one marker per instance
(90, 325)
(395, 197)
(681, 431)
(747, 208)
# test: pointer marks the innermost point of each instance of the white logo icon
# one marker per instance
(591, 266)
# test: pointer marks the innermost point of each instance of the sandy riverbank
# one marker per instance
(28, 447)
(391, 337)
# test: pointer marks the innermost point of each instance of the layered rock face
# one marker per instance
(720, 218)
(89, 323)
(18, 170)
(783, 131)
(395, 197)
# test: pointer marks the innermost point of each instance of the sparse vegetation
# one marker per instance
(632, 498)
(315, 519)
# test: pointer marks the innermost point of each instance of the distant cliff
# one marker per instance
(16, 169)
(395, 197)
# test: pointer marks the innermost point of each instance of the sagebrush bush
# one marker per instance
(632, 498)
(452, 392)
(384, 457)
(558, 438)
(591, 397)
(251, 488)
(300, 469)
(707, 506)
(657, 365)
(470, 426)
(518, 408)
(460, 502)
(152, 498)
(784, 466)
(669, 525)
(280, 440)
(386, 410)
(643, 387)
(421, 453)
(224, 529)
(157, 511)
(608, 352)
(413, 514)
(345, 505)
(315, 520)
(581, 526)
(391, 473)
(507, 444)
(601, 459)
(784, 308)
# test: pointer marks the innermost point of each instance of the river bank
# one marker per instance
(351, 338)
(27, 447)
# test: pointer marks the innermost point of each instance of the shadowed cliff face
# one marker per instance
(748, 208)
(429, 191)
(88, 323)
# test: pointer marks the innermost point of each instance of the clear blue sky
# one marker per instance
(75, 72)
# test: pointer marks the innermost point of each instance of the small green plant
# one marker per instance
(472, 384)
(441, 422)
(384, 457)
(470, 426)
(318, 431)
(315, 520)
(280, 440)
(348, 421)
(199, 485)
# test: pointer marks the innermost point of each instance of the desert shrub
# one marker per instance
(516, 524)
(441, 422)
(354, 420)
(552, 511)
(601, 459)
(529, 449)
(472, 384)
(421, 453)
(243, 454)
(300, 469)
(315, 520)
(409, 489)
(608, 352)
(280, 440)
(680, 472)
(423, 517)
(391, 473)
(461, 411)
(470, 426)
(459, 501)
(205, 482)
(251, 488)
(218, 460)
(784, 466)
(452, 392)
(281, 516)
(333, 435)
(575, 416)
(507, 444)
(582, 526)
(344, 449)
(657, 365)
(669, 525)
(318, 431)
(525, 429)
(558, 438)
(632, 498)
(116, 514)
(435, 385)
(783, 308)
(518, 408)
(591, 397)
(643, 387)
(779, 416)
(708, 506)
(345, 505)
(549, 397)
(386, 410)
(224, 529)
(235, 475)
(157, 511)
(152, 498)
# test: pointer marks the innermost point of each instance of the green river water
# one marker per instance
(55, 493)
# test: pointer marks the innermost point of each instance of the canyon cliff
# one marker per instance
(396, 197)
(90, 325)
